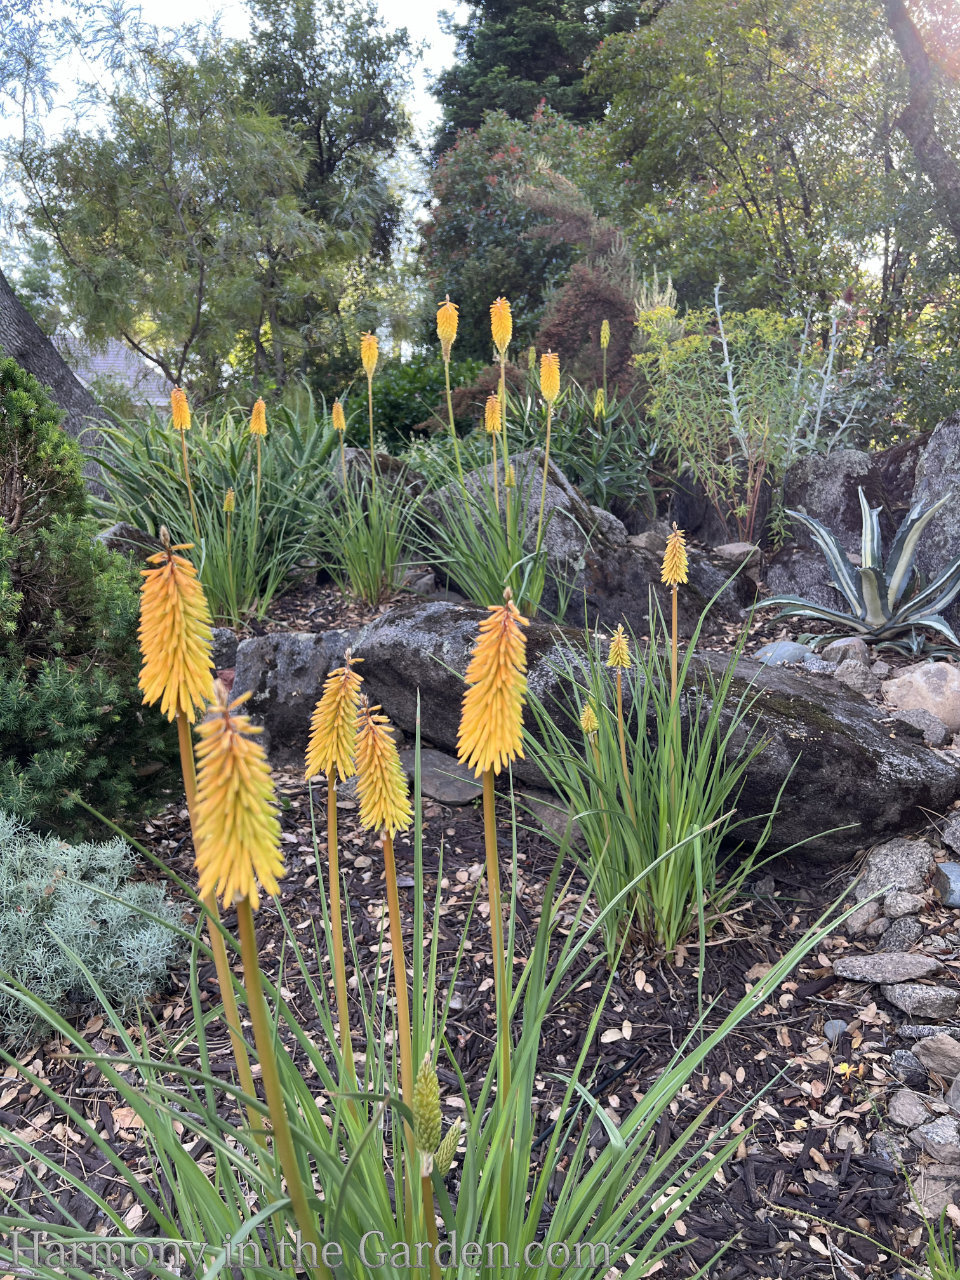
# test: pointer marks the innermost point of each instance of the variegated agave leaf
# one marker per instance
(870, 541)
(840, 564)
(904, 548)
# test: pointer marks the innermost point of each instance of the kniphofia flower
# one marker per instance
(619, 655)
(501, 324)
(176, 637)
(491, 414)
(531, 358)
(337, 415)
(381, 782)
(369, 352)
(674, 568)
(588, 718)
(549, 376)
(333, 728)
(447, 325)
(237, 829)
(599, 408)
(180, 409)
(258, 419)
(491, 720)
(510, 477)
(229, 501)
(605, 334)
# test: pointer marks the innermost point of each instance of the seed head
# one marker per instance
(339, 421)
(229, 501)
(549, 376)
(599, 407)
(447, 1149)
(491, 719)
(180, 409)
(674, 568)
(381, 782)
(238, 833)
(369, 352)
(447, 325)
(619, 655)
(588, 718)
(333, 729)
(258, 419)
(605, 334)
(176, 639)
(501, 324)
(491, 415)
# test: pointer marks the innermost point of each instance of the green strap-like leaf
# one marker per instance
(905, 547)
(839, 562)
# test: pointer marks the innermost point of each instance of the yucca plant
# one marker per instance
(886, 601)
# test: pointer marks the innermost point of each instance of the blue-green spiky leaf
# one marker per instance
(905, 547)
(841, 567)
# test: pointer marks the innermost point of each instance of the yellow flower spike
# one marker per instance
(588, 719)
(333, 728)
(338, 418)
(491, 415)
(599, 406)
(176, 636)
(381, 782)
(180, 408)
(447, 325)
(427, 1116)
(605, 335)
(491, 721)
(258, 419)
(229, 501)
(674, 568)
(549, 376)
(619, 655)
(369, 353)
(501, 325)
(238, 832)
(510, 478)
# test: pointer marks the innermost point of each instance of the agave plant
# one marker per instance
(888, 606)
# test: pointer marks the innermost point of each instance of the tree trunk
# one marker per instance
(23, 339)
(917, 121)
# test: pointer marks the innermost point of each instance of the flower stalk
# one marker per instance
(340, 426)
(619, 659)
(447, 333)
(549, 389)
(369, 354)
(493, 423)
(180, 410)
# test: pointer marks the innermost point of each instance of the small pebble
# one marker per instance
(908, 1069)
(834, 1029)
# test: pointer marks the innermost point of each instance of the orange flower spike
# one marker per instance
(180, 408)
(333, 729)
(176, 636)
(381, 782)
(491, 722)
(447, 325)
(549, 376)
(258, 419)
(369, 353)
(674, 568)
(501, 324)
(238, 832)
(492, 420)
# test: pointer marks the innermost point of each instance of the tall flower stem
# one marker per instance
(503, 420)
(621, 731)
(501, 990)
(546, 468)
(673, 647)
(336, 924)
(282, 1136)
(186, 477)
(373, 452)
(256, 514)
(453, 429)
(215, 937)
(496, 483)
(403, 1001)
(343, 463)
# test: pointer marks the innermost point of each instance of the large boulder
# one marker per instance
(938, 473)
(825, 486)
(803, 571)
(846, 768)
(590, 551)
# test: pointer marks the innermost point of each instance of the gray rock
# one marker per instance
(888, 1148)
(834, 1029)
(908, 1069)
(938, 469)
(920, 1001)
(881, 669)
(935, 1188)
(800, 571)
(951, 831)
(285, 672)
(845, 768)
(783, 653)
(935, 943)
(859, 920)
(224, 648)
(932, 729)
(825, 486)
(902, 903)
(946, 881)
(847, 647)
(902, 934)
(877, 928)
(952, 1096)
(886, 966)
(819, 666)
(939, 1052)
(734, 553)
(907, 1110)
(898, 864)
(442, 777)
(130, 541)
(927, 686)
(940, 1139)
(857, 676)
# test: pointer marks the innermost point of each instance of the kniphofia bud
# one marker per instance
(510, 477)
(531, 358)
(673, 571)
(501, 324)
(337, 415)
(176, 636)
(369, 352)
(180, 409)
(447, 1149)
(491, 720)
(237, 829)
(619, 655)
(588, 718)
(381, 782)
(599, 407)
(549, 376)
(491, 414)
(447, 325)
(258, 419)
(427, 1116)
(605, 334)
(229, 501)
(333, 728)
